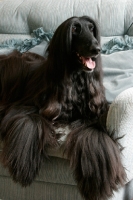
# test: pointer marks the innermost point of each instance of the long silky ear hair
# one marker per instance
(59, 50)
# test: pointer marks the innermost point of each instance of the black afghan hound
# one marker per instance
(39, 95)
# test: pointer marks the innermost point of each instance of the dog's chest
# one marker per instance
(76, 98)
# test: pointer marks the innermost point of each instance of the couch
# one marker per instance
(18, 20)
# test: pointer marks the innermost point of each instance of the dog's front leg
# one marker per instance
(26, 137)
(95, 160)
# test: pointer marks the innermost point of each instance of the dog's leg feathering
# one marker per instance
(26, 137)
(95, 160)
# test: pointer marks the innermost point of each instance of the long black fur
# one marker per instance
(38, 95)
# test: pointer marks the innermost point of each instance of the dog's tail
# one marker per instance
(26, 137)
(95, 160)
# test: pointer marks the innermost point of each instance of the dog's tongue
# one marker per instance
(88, 62)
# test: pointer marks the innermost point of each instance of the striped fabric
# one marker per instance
(54, 182)
(22, 16)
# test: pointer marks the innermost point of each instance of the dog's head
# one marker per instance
(85, 42)
(76, 38)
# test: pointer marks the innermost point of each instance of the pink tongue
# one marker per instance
(88, 62)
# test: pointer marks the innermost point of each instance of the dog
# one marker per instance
(63, 88)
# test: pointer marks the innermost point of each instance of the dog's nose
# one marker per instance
(95, 49)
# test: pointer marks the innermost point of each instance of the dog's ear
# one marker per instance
(59, 50)
(61, 41)
(96, 30)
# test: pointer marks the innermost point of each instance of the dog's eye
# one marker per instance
(73, 29)
(76, 29)
(91, 27)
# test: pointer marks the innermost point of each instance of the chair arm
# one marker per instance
(120, 119)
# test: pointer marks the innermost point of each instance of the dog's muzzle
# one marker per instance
(87, 62)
